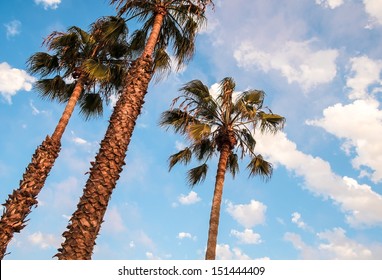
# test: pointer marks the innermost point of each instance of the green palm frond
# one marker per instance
(43, 64)
(109, 29)
(177, 119)
(246, 141)
(204, 149)
(162, 63)
(260, 167)
(183, 156)
(198, 131)
(271, 122)
(91, 106)
(233, 164)
(53, 89)
(96, 70)
(197, 175)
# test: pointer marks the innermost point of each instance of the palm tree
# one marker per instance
(94, 62)
(224, 125)
(165, 23)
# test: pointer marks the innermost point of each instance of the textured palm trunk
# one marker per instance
(86, 221)
(216, 202)
(20, 202)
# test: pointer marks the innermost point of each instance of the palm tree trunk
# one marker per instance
(20, 202)
(86, 221)
(216, 203)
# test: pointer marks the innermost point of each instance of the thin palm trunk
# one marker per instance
(86, 221)
(216, 203)
(20, 202)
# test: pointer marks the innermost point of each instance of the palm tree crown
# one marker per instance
(180, 20)
(223, 124)
(98, 58)
(229, 119)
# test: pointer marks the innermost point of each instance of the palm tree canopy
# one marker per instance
(211, 120)
(182, 19)
(98, 56)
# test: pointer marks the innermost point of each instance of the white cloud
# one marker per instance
(36, 111)
(13, 28)
(296, 219)
(334, 244)
(248, 215)
(48, 4)
(366, 72)
(362, 132)
(247, 236)
(79, 141)
(332, 4)
(374, 9)
(180, 145)
(297, 62)
(44, 241)
(224, 252)
(183, 235)
(191, 198)
(151, 256)
(13, 80)
(359, 202)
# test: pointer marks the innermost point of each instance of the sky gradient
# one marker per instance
(319, 63)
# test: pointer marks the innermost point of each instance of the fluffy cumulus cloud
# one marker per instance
(361, 135)
(332, 4)
(359, 202)
(247, 236)
(191, 198)
(44, 241)
(297, 61)
(248, 215)
(12, 28)
(334, 244)
(48, 4)
(186, 235)
(13, 80)
(296, 219)
(224, 252)
(374, 9)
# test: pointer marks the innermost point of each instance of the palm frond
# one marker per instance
(204, 149)
(43, 64)
(96, 70)
(183, 156)
(198, 131)
(177, 119)
(271, 122)
(197, 175)
(233, 164)
(91, 105)
(53, 89)
(260, 167)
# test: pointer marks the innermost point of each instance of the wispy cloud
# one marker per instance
(48, 4)
(247, 236)
(334, 244)
(13, 28)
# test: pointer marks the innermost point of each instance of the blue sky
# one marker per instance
(319, 62)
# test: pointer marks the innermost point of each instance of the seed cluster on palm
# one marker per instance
(225, 124)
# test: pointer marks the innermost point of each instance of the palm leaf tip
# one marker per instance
(183, 156)
(260, 167)
(197, 175)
